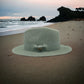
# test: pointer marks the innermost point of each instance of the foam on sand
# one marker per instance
(20, 28)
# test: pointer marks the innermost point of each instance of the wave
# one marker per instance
(8, 27)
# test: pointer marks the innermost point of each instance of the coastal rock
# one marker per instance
(31, 19)
(23, 19)
(66, 14)
(80, 9)
(43, 18)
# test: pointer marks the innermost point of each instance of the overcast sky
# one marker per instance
(35, 7)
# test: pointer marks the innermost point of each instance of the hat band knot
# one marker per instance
(40, 47)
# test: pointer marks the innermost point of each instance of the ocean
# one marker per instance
(13, 26)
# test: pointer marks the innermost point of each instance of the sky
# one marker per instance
(25, 8)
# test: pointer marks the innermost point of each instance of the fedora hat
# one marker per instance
(41, 41)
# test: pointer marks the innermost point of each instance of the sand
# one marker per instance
(63, 69)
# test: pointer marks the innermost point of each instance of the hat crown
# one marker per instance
(44, 39)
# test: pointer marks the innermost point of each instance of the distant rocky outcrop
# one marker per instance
(23, 19)
(29, 19)
(43, 18)
(80, 9)
(66, 14)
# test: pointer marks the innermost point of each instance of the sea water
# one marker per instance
(10, 26)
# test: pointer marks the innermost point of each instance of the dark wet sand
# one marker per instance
(63, 69)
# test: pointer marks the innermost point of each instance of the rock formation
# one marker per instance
(43, 18)
(66, 14)
(31, 19)
(23, 19)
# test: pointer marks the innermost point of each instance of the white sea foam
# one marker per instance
(15, 27)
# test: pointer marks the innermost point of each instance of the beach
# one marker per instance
(63, 69)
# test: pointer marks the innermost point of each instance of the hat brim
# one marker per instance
(20, 51)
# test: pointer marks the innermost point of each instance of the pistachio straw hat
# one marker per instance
(41, 41)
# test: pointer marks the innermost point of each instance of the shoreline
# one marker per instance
(22, 29)
(5, 31)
